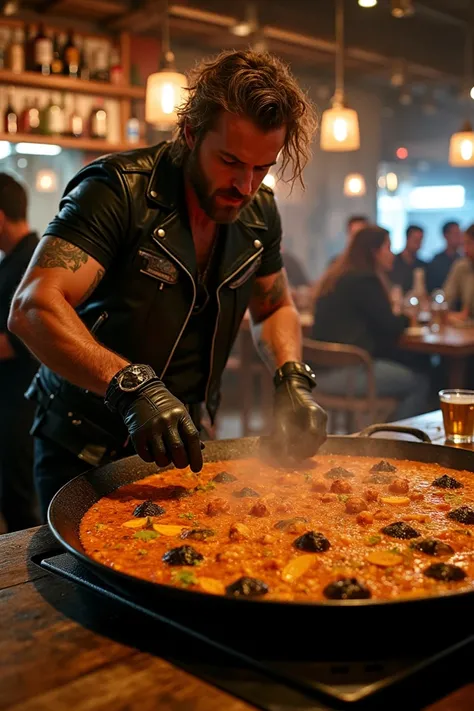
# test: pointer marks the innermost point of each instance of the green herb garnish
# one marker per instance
(189, 516)
(100, 526)
(453, 499)
(142, 551)
(185, 578)
(373, 540)
(205, 487)
(343, 497)
(145, 535)
(267, 552)
(308, 477)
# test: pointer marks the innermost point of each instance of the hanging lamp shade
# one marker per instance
(340, 129)
(354, 185)
(165, 92)
(461, 147)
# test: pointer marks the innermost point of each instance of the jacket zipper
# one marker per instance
(99, 321)
(242, 266)
(162, 375)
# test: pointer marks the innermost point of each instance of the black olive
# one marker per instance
(287, 523)
(400, 529)
(224, 478)
(184, 555)
(148, 508)
(447, 482)
(347, 589)
(339, 473)
(247, 587)
(383, 466)
(431, 546)
(464, 514)
(445, 572)
(379, 479)
(198, 534)
(245, 492)
(312, 542)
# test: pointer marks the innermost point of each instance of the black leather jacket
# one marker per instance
(123, 209)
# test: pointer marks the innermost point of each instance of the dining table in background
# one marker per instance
(61, 648)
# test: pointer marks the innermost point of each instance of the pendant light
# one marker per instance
(339, 125)
(354, 185)
(166, 89)
(461, 145)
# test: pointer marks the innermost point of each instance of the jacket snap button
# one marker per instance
(161, 233)
(257, 244)
(77, 422)
(153, 193)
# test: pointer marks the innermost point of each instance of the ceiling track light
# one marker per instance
(461, 145)
(249, 25)
(402, 8)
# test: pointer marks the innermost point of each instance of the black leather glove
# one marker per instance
(299, 422)
(160, 427)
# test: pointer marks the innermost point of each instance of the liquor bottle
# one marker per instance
(74, 123)
(29, 120)
(71, 57)
(100, 71)
(30, 34)
(15, 54)
(54, 117)
(84, 69)
(116, 69)
(43, 52)
(4, 42)
(98, 120)
(132, 130)
(57, 65)
(10, 117)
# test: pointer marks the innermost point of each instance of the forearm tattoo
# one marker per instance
(95, 283)
(58, 253)
(273, 294)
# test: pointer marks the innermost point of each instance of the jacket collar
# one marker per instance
(165, 190)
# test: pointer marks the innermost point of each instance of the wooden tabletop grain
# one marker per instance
(449, 341)
(62, 651)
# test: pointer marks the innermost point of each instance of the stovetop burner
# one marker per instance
(275, 684)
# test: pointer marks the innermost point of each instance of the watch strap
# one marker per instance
(291, 369)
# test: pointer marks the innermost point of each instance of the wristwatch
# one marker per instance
(126, 381)
(292, 368)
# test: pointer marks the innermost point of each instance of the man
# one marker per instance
(354, 224)
(459, 286)
(137, 291)
(17, 367)
(407, 261)
(438, 269)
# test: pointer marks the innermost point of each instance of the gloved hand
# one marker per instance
(299, 422)
(160, 427)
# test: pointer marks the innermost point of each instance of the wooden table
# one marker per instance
(60, 651)
(455, 344)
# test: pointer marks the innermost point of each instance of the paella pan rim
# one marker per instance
(216, 451)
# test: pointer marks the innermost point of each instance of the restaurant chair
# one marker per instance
(358, 411)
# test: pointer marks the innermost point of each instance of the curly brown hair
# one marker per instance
(256, 85)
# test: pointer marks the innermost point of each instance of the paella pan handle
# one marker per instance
(372, 429)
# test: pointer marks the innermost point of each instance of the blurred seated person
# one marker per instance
(438, 269)
(407, 261)
(17, 366)
(353, 307)
(294, 270)
(459, 286)
(354, 224)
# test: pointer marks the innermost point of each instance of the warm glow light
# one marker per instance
(382, 182)
(354, 185)
(46, 181)
(340, 130)
(165, 92)
(38, 149)
(437, 197)
(367, 3)
(391, 182)
(269, 180)
(461, 149)
(401, 153)
(471, 93)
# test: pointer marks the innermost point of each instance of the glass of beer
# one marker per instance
(457, 407)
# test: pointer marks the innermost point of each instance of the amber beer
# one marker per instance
(457, 407)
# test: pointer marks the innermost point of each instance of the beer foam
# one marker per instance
(455, 399)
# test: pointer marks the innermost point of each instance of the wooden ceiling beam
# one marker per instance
(148, 14)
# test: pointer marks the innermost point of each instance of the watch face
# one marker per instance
(132, 379)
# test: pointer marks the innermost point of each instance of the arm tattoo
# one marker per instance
(274, 294)
(58, 253)
(93, 286)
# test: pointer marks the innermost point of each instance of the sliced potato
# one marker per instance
(395, 500)
(136, 522)
(385, 559)
(297, 567)
(166, 529)
(211, 585)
